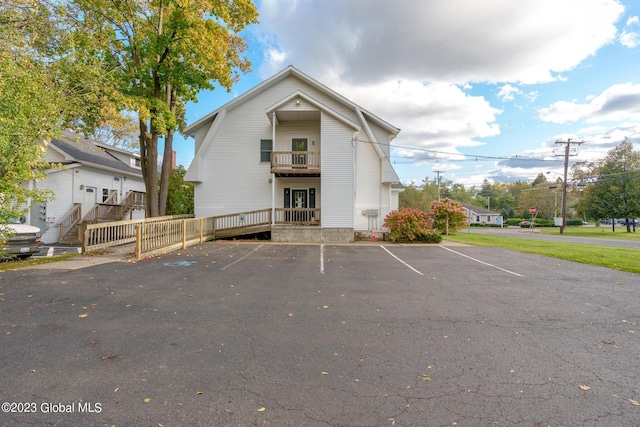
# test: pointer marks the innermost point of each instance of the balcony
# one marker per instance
(295, 163)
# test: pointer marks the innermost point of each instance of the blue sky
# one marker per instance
(479, 89)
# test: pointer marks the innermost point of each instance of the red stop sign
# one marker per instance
(532, 210)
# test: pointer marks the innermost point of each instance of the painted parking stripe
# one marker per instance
(386, 250)
(481, 262)
(321, 259)
(241, 258)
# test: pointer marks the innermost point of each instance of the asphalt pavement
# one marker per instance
(262, 334)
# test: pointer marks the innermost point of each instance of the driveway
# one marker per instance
(226, 334)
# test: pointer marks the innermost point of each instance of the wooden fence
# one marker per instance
(108, 234)
(166, 235)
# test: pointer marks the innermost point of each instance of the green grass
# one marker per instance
(603, 232)
(13, 264)
(623, 259)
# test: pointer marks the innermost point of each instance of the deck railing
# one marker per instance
(163, 236)
(295, 162)
(299, 216)
(72, 218)
(108, 234)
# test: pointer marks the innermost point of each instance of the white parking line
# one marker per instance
(241, 258)
(482, 262)
(386, 250)
(50, 252)
(321, 259)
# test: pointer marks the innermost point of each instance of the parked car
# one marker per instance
(19, 240)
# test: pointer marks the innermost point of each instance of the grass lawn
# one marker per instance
(595, 232)
(13, 264)
(623, 259)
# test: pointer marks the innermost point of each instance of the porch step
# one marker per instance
(72, 237)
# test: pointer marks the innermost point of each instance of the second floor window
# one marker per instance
(266, 146)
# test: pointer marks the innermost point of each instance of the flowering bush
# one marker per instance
(448, 216)
(411, 225)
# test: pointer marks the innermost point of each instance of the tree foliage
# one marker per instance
(448, 216)
(162, 53)
(615, 191)
(180, 200)
(46, 84)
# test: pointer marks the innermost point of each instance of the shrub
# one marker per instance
(448, 216)
(411, 225)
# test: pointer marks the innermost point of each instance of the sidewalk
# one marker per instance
(120, 253)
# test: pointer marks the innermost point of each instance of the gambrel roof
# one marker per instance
(365, 118)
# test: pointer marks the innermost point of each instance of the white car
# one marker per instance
(19, 240)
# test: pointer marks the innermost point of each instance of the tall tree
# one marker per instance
(163, 53)
(46, 84)
(615, 192)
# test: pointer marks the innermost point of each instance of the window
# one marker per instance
(266, 146)
(105, 194)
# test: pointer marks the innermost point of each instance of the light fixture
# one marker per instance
(298, 102)
(81, 186)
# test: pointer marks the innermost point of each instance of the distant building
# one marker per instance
(481, 216)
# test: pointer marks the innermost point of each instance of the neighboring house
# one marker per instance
(92, 174)
(292, 145)
(481, 216)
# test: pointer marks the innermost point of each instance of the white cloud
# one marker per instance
(435, 116)
(457, 41)
(508, 92)
(629, 37)
(618, 102)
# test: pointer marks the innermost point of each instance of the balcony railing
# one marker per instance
(297, 216)
(295, 163)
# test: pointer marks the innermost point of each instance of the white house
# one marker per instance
(481, 216)
(93, 173)
(292, 145)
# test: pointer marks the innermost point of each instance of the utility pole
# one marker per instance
(438, 172)
(567, 153)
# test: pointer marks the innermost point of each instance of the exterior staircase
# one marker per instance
(72, 223)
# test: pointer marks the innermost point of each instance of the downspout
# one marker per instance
(273, 175)
(354, 171)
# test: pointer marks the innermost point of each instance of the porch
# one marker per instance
(295, 163)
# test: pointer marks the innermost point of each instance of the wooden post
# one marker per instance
(138, 242)
(184, 233)
(213, 228)
(201, 230)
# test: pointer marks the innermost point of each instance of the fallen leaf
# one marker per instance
(584, 387)
(634, 402)
(147, 400)
(425, 377)
(262, 409)
(83, 315)
(198, 393)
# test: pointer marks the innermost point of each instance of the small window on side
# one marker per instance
(266, 146)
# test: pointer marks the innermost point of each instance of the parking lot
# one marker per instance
(261, 334)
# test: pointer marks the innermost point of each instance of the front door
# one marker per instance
(299, 201)
(299, 160)
(90, 199)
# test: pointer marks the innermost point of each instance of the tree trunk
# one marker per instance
(149, 163)
(167, 156)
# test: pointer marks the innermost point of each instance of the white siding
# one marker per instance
(61, 184)
(289, 130)
(337, 174)
(368, 192)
